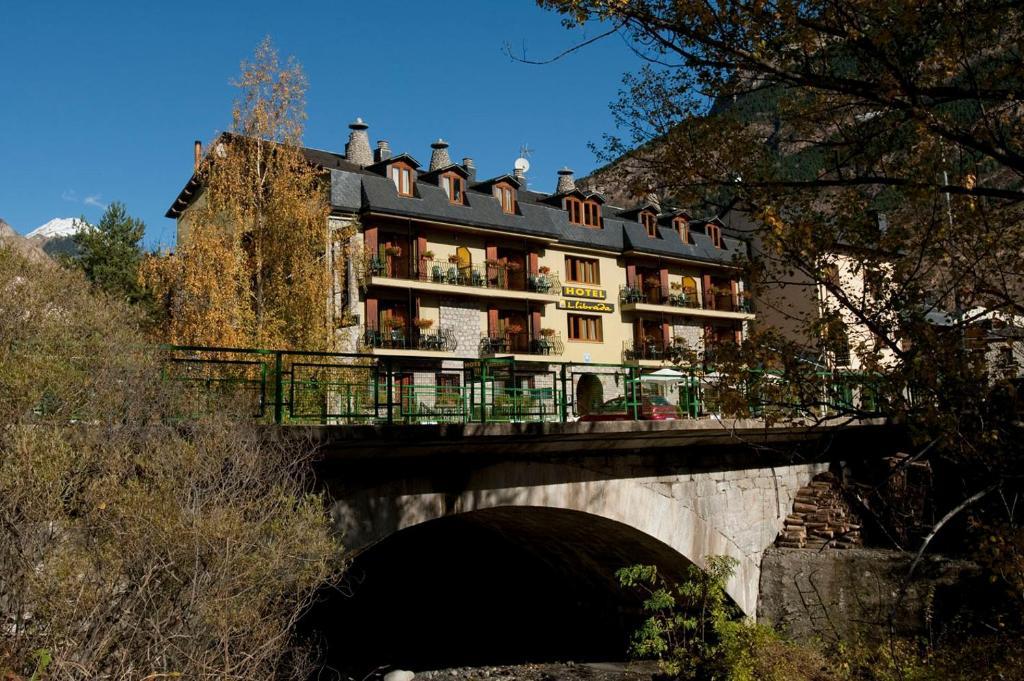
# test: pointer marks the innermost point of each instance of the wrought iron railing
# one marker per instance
(408, 337)
(654, 295)
(489, 276)
(521, 343)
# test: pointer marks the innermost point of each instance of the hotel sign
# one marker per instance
(586, 306)
(583, 292)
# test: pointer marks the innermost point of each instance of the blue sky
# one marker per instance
(101, 101)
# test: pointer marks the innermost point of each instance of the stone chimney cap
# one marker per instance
(358, 124)
(468, 162)
(566, 183)
(439, 144)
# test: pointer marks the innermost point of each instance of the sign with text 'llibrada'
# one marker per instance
(586, 306)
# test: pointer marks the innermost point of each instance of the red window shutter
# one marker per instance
(663, 275)
(535, 324)
(371, 313)
(533, 264)
(491, 252)
(631, 275)
(370, 239)
(709, 299)
(492, 321)
(421, 246)
(666, 332)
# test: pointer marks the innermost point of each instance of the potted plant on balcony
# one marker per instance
(653, 282)
(423, 324)
(544, 270)
(393, 251)
(547, 333)
(454, 258)
(513, 329)
(513, 266)
(492, 262)
(427, 255)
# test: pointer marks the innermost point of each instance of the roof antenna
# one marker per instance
(522, 164)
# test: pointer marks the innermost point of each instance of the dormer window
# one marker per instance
(401, 175)
(650, 222)
(506, 196)
(453, 187)
(715, 234)
(683, 228)
(586, 213)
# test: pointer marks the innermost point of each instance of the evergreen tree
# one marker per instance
(110, 253)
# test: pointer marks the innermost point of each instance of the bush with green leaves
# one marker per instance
(696, 632)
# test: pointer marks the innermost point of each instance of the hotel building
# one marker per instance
(437, 265)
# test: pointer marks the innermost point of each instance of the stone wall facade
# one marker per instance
(463, 318)
(849, 595)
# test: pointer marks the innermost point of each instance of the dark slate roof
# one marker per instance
(536, 218)
(362, 190)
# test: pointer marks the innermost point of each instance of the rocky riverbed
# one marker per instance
(567, 671)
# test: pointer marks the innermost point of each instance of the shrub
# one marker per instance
(131, 543)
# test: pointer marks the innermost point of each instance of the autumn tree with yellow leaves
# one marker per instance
(250, 268)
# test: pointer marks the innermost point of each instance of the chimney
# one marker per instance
(566, 183)
(470, 167)
(439, 156)
(383, 151)
(519, 174)
(357, 150)
(197, 155)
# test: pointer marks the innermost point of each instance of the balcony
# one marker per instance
(657, 350)
(648, 298)
(521, 343)
(491, 279)
(402, 339)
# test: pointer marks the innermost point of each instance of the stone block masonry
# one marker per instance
(462, 317)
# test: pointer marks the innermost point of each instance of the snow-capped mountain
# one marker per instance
(56, 228)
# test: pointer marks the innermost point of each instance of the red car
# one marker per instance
(653, 408)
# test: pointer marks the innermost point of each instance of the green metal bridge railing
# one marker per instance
(291, 386)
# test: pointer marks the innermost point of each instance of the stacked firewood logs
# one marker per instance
(820, 518)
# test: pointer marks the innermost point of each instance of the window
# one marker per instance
(586, 213)
(401, 175)
(452, 185)
(716, 234)
(683, 227)
(582, 270)
(650, 223)
(585, 328)
(506, 196)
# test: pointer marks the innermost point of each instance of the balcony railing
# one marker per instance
(410, 338)
(655, 349)
(652, 295)
(520, 344)
(499, 277)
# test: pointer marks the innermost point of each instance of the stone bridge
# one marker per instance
(585, 498)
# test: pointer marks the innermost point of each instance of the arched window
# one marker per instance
(401, 175)
(650, 222)
(506, 196)
(683, 227)
(715, 234)
(453, 187)
(586, 213)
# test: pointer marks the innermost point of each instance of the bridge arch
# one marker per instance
(502, 585)
(650, 507)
